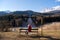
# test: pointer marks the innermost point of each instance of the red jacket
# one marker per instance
(29, 28)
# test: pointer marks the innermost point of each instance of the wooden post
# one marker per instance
(41, 27)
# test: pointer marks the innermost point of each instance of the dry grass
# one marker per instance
(9, 34)
(14, 36)
(52, 29)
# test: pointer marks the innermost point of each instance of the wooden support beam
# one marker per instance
(41, 27)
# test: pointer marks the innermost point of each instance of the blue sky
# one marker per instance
(35, 5)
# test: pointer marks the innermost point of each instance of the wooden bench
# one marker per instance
(34, 30)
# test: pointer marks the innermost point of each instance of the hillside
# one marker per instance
(52, 29)
(52, 26)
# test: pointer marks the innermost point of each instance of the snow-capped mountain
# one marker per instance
(55, 9)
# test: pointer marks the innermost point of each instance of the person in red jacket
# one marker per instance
(29, 28)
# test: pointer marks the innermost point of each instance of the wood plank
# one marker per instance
(27, 29)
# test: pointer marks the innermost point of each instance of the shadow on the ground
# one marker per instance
(48, 37)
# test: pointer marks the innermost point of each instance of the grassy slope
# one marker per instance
(52, 29)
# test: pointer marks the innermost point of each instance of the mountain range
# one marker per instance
(2, 13)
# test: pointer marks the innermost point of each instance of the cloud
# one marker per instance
(56, 8)
(57, 0)
(50, 9)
